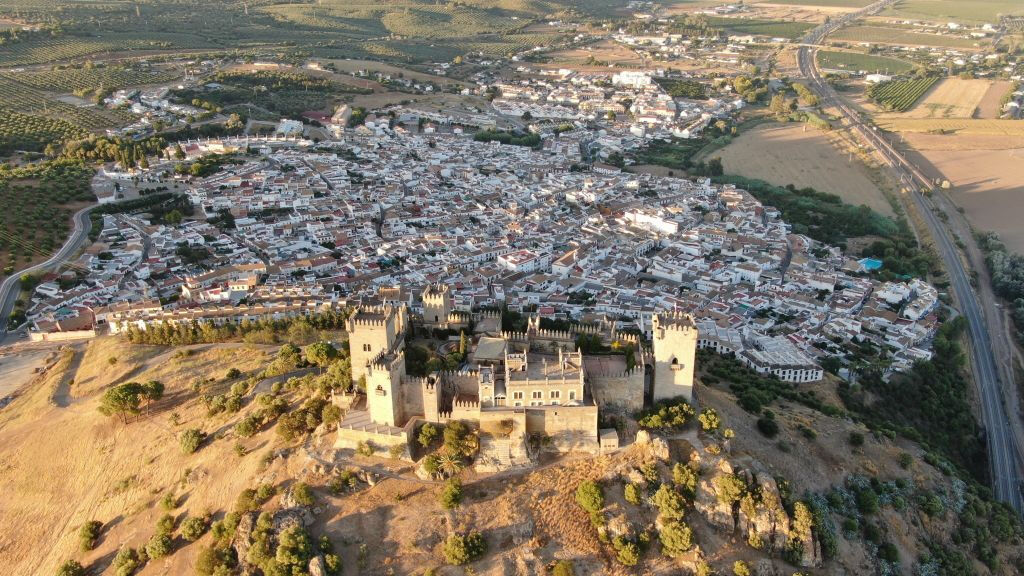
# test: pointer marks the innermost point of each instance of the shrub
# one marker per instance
(867, 501)
(729, 488)
(428, 433)
(709, 420)
(165, 525)
(669, 414)
(215, 561)
(768, 426)
(302, 494)
(685, 478)
(632, 493)
(905, 460)
(676, 538)
(563, 568)
(669, 503)
(589, 496)
(169, 501)
(451, 495)
(159, 545)
(628, 552)
(191, 439)
(333, 564)
(71, 568)
(88, 534)
(740, 568)
(193, 528)
(856, 439)
(396, 451)
(461, 549)
(889, 552)
(364, 448)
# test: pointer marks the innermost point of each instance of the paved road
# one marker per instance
(10, 288)
(1003, 448)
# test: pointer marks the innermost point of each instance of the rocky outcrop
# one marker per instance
(317, 567)
(706, 501)
(761, 517)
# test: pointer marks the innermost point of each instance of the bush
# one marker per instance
(685, 478)
(364, 448)
(193, 528)
(302, 494)
(856, 439)
(669, 415)
(451, 495)
(126, 562)
(709, 420)
(905, 460)
(428, 433)
(628, 552)
(867, 501)
(191, 439)
(669, 503)
(165, 525)
(461, 549)
(169, 501)
(88, 534)
(71, 568)
(632, 493)
(767, 426)
(159, 545)
(563, 568)
(676, 538)
(589, 496)
(215, 561)
(740, 568)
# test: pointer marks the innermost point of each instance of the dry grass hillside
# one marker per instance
(63, 463)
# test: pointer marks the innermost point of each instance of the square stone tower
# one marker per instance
(675, 349)
(373, 330)
(437, 305)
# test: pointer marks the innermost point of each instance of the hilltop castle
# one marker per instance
(512, 384)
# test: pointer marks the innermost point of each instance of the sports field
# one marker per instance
(858, 62)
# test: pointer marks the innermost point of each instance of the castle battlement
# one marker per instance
(384, 360)
(460, 373)
(466, 404)
(675, 320)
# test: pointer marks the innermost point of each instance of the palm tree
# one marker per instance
(449, 464)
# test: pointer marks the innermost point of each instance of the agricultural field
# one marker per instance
(31, 133)
(903, 37)
(36, 206)
(772, 28)
(985, 177)
(784, 154)
(18, 97)
(968, 11)
(823, 3)
(282, 93)
(975, 126)
(960, 98)
(900, 95)
(83, 79)
(857, 62)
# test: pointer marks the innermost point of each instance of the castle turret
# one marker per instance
(437, 305)
(373, 330)
(384, 389)
(675, 346)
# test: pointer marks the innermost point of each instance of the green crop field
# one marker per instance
(17, 97)
(86, 79)
(419, 30)
(31, 133)
(856, 62)
(900, 95)
(887, 35)
(968, 11)
(36, 204)
(772, 28)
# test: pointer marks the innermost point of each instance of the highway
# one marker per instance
(1003, 445)
(10, 288)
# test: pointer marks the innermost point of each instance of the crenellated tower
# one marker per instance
(438, 303)
(675, 347)
(372, 331)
